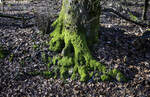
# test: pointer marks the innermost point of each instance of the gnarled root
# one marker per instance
(71, 39)
(75, 59)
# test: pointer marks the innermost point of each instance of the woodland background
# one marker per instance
(26, 50)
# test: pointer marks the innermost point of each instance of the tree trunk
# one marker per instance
(76, 30)
(146, 5)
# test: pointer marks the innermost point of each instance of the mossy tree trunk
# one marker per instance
(76, 30)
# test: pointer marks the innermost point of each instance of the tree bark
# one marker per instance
(76, 30)
(146, 5)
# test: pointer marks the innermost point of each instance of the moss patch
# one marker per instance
(105, 77)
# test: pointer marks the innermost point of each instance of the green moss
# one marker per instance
(55, 59)
(44, 58)
(105, 77)
(97, 66)
(116, 74)
(120, 77)
(96, 75)
(91, 74)
(66, 62)
(56, 44)
(83, 73)
(47, 74)
(11, 57)
(35, 46)
(34, 73)
(49, 62)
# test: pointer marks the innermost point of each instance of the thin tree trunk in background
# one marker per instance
(146, 5)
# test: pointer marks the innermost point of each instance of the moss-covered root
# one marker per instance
(71, 38)
(113, 74)
(76, 61)
(65, 67)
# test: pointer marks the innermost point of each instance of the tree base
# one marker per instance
(72, 37)
(75, 59)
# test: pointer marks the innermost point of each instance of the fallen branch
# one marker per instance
(8, 16)
(22, 18)
(125, 18)
(15, 17)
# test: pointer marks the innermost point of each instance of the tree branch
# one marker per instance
(15, 17)
(125, 18)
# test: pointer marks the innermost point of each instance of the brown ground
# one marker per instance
(116, 49)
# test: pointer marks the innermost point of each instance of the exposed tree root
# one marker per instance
(75, 58)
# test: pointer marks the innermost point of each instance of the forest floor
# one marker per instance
(28, 51)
